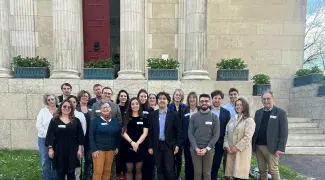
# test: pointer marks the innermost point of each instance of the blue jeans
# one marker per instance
(47, 172)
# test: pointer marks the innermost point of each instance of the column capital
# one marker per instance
(65, 74)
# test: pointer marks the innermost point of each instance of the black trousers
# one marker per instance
(178, 162)
(164, 158)
(70, 175)
(217, 158)
(148, 167)
(189, 169)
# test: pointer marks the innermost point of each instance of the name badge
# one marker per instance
(145, 112)
(273, 117)
(208, 123)
(61, 126)
(97, 111)
(140, 122)
(90, 109)
(103, 124)
(187, 114)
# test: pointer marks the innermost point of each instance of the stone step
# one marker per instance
(306, 131)
(306, 150)
(299, 120)
(302, 125)
(306, 136)
(306, 143)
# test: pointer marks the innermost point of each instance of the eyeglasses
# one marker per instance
(66, 107)
(204, 101)
(85, 95)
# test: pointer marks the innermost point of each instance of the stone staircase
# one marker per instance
(305, 137)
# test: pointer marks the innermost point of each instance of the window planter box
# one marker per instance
(306, 80)
(258, 89)
(99, 73)
(232, 74)
(31, 72)
(162, 74)
(321, 90)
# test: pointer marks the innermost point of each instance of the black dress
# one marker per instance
(135, 130)
(65, 139)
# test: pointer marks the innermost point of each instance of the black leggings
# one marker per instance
(238, 179)
(70, 175)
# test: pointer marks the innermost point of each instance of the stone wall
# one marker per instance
(21, 99)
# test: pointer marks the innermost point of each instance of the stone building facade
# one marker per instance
(267, 34)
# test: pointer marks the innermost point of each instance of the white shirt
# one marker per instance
(43, 120)
(82, 119)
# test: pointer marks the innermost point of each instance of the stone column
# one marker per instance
(66, 38)
(132, 40)
(195, 40)
(5, 58)
(181, 35)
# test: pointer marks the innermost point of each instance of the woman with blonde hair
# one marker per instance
(238, 142)
(42, 123)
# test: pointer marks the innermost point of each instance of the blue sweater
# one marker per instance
(104, 136)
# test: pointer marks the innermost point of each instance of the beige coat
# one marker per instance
(239, 133)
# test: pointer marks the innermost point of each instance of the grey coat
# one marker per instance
(115, 111)
(277, 129)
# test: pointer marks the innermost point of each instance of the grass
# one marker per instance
(25, 165)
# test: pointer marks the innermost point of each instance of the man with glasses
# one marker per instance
(270, 137)
(165, 137)
(203, 133)
(233, 96)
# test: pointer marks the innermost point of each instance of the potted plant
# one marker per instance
(261, 83)
(232, 70)
(161, 69)
(308, 76)
(31, 67)
(99, 69)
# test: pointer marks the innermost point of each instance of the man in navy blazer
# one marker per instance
(224, 117)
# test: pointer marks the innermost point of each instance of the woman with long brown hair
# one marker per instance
(64, 140)
(135, 130)
(238, 142)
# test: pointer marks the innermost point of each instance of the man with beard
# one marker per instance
(97, 89)
(203, 133)
(66, 89)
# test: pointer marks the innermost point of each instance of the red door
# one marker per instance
(96, 29)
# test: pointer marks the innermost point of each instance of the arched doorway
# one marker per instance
(101, 30)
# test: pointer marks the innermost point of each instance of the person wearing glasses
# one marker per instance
(270, 137)
(104, 137)
(43, 120)
(203, 133)
(65, 140)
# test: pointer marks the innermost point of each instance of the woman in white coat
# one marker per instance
(42, 123)
(238, 142)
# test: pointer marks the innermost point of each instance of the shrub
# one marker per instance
(158, 63)
(101, 63)
(37, 61)
(261, 79)
(305, 72)
(234, 63)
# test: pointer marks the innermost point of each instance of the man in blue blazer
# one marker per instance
(224, 117)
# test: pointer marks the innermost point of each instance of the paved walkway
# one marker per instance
(309, 166)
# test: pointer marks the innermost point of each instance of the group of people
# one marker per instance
(144, 136)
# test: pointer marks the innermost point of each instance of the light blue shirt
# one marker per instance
(231, 109)
(162, 121)
(216, 112)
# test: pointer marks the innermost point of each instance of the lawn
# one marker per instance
(25, 165)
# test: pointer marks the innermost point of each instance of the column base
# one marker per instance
(6, 73)
(196, 75)
(65, 74)
(131, 74)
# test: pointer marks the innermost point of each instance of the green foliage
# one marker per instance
(305, 72)
(157, 63)
(261, 79)
(234, 63)
(101, 63)
(37, 61)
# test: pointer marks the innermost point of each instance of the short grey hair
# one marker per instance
(268, 91)
(47, 95)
